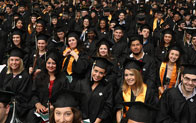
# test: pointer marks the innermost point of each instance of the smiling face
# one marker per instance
(129, 77)
(51, 65)
(14, 62)
(98, 73)
(145, 32)
(63, 115)
(19, 24)
(72, 42)
(103, 50)
(41, 44)
(167, 38)
(117, 34)
(188, 82)
(16, 40)
(174, 56)
(102, 24)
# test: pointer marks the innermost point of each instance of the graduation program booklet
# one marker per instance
(45, 117)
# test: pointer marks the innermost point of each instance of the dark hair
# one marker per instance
(162, 42)
(166, 59)
(106, 24)
(76, 112)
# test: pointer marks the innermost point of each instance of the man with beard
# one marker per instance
(148, 71)
(178, 105)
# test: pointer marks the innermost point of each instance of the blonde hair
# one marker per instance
(138, 82)
(9, 69)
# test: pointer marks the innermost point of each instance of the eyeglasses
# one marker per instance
(188, 80)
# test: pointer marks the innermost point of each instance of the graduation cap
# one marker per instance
(65, 98)
(190, 30)
(18, 52)
(140, 112)
(54, 15)
(60, 29)
(145, 26)
(17, 31)
(101, 62)
(75, 34)
(9, 5)
(119, 27)
(194, 34)
(177, 47)
(189, 69)
(16, 15)
(56, 56)
(6, 96)
(133, 64)
(168, 31)
(104, 41)
(34, 14)
(107, 9)
(42, 22)
(84, 9)
(43, 37)
(21, 4)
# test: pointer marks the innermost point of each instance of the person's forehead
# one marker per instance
(191, 76)
(135, 42)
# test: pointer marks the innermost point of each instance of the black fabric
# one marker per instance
(97, 103)
(174, 108)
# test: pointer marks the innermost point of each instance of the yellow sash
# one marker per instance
(173, 76)
(139, 98)
(155, 23)
(29, 29)
(69, 66)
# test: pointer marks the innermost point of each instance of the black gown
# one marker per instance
(96, 103)
(21, 85)
(174, 108)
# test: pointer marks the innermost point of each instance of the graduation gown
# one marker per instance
(150, 98)
(174, 108)
(21, 85)
(95, 103)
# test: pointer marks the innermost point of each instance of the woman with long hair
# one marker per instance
(169, 69)
(168, 40)
(133, 89)
(48, 82)
(65, 107)
(75, 62)
(16, 79)
(103, 28)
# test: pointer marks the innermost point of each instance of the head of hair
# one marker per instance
(76, 112)
(9, 69)
(138, 82)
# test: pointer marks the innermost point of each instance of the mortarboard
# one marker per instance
(34, 14)
(107, 9)
(140, 112)
(9, 5)
(104, 41)
(43, 37)
(60, 29)
(101, 62)
(18, 52)
(168, 31)
(178, 48)
(189, 69)
(6, 96)
(16, 31)
(54, 15)
(133, 64)
(119, 27)
(75, 34)
(42, 22)
(65, 98)
(194, 34)
(145, 26)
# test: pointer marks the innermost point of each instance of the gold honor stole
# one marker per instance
(173, 76)
(155, 23)
(69, 66)
(139, 98)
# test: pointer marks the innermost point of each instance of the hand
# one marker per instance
(30, 70)
(74, 54)
(67, 53)
(40, 108)
(161, 90)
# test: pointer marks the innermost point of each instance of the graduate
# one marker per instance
(178, 105)
(96, 104)
(65, 107)
(16, 79)
(133, 89)
(5, 108)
